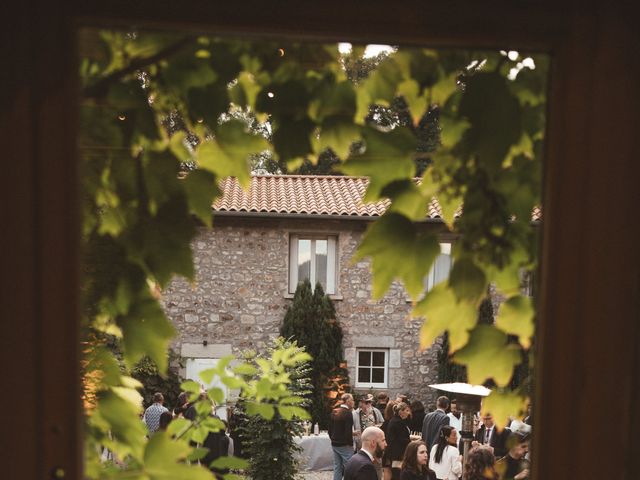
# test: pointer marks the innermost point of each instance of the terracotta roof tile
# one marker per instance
(309, 195)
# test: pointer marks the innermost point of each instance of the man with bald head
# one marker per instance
(360, 466)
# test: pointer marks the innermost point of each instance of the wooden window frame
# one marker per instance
(332, 261)
(374, 385)
(589, 289)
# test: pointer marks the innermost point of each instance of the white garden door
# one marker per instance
(195, 366)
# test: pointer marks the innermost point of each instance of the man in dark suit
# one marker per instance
(433, 421)
(488, 434)
(360, 466)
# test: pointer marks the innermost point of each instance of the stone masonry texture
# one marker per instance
(240, 297)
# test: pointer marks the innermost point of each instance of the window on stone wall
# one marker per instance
(372, 369)
(313, 257)
(441, 267)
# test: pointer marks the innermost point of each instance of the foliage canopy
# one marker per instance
(145, 183)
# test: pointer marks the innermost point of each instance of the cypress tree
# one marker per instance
(311, 321)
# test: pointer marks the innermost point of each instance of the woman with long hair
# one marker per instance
(397, 437)
(414, 463)
(386, 461)
(417, 416)
(445, 459)
(480, 464)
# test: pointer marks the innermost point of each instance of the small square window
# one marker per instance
(313, 258)
(372, 368)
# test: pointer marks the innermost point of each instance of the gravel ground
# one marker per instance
(327, 475)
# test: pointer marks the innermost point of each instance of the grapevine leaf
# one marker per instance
(467, 280)
(442, 312)
(201, 189)
(515, 317)
(488, 356)
(146, 331)
(387, 157)
(398, 251)
(502, 405)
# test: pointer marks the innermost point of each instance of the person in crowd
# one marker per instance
(433, 421)
(182, 403)
(397, 438)
(480, 464)
(382, 400)
(401, 397)
(417, 416)
(414, 463)
(152, 414)
(514, 466)
(218, 445)
(361, 465)
(165, 420)
(366, 415)
(386, 462)
(341, 434)
(488, 434)
(455, 416)
(529, 418)
(444, 458)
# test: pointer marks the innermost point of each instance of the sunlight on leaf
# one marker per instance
(488, 356)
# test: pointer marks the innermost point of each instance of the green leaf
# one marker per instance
(207, 103)
(288, 413)
(216, 394)
(442, 312)
(187, 71)
(263, 409)
(232, 382)
(291, 137)
(162, 457)
(178, 146)
(495, 117)
(467, 280)
(245, 369)
(407, 199)
(202, 190)
(515, 317)
(387, 157)
(193, 388)
(487, 355)
(398, 251)
(234, 463)
(502, 405)
(146, 331)
(418, 104)
(228, 155)
(208, 374)
(178, 426)
(338, 134)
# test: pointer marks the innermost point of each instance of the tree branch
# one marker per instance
(101, 87)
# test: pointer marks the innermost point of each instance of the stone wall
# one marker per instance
(241, 295)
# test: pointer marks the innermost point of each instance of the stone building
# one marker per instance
(263, 242)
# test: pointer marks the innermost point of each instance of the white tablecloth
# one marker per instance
(316, 452)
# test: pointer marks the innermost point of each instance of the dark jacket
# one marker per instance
(497, 440)
(360, 467)
(416, 421)
(397, 438)
(341, 427)
(409, 475)
(431, 427)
